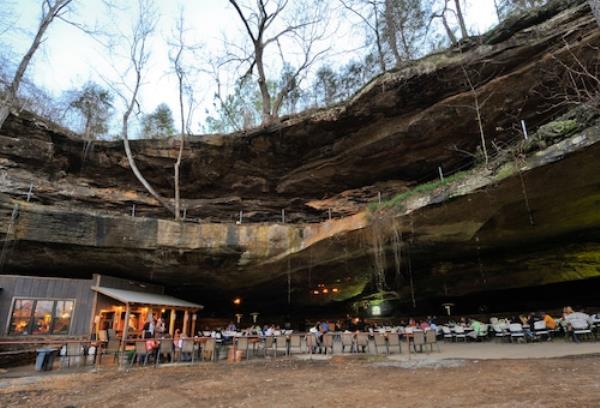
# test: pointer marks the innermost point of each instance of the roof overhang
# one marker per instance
(143, 298)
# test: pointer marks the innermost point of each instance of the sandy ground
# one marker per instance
(456, 377)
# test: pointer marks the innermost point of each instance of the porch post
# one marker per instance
(194, 317)
(186, 318)
(172, 323)
(125, 333)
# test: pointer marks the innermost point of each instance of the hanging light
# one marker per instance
(325, 290)
(315, 292)
(237, 301)
(335, 290)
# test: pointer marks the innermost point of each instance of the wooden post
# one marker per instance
(186, 317)
(241, 216)
(29, 192)
(329, 211)
(133, 211)
(441, 173)
(283, 216)
(124, 336)
(172, 323)
(379, 197)
(194, 317)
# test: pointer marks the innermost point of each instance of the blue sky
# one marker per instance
(68, 58)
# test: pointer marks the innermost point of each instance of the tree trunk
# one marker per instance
(378, 39)
(595, 5)
(4, 112)
(262, 83)
(449, 32)
(391, 30)
(13, 89)
(180, 154)
(461, 20)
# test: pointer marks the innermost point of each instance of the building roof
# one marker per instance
(142, 298)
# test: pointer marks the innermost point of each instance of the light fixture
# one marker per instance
(325, 290)
(335, 290)
(315, 292)
(237, 301)
(376, 310)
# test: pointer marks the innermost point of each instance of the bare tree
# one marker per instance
(176, 56)
(442, 15)
(405, 27)
(139, 56)
(50, 10)
(595, 5)
(461, 19)
(369, 12)
(477, 106)
(302, 28)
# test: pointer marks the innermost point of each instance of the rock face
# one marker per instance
(526, 222)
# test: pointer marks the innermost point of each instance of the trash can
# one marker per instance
(44, 359)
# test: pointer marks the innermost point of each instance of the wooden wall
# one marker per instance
(41, 287)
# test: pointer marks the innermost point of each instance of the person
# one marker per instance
(177, 339)
(550, 322)
(476, 326)
(231, 327)
(160, 327)
(268, 330)
(576, 321)
(424, 325)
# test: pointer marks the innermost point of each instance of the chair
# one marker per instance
(431, 339)
(580, 328)
(113, 347)
(241, 344)
(311, 343)
(516, 332)
(328, 342)
(540, 330)
(362, 341)
(187, 349)
(281, 343)
(459, 333)
(499, 333)
(347, 341)
(268, 345)
(295, 343)
(210, 349)
(447, 333)
(74, 350)
(418, 340)
(380, 342)
(394, 341)
(166, 347)
(140, 353)
(111, 333)
(483, 332)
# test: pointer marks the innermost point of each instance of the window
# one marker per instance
(40, 317)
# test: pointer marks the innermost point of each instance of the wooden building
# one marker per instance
(47, 306)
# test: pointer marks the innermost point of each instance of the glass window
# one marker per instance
(41, 317)
(62, 316)
(21, 317)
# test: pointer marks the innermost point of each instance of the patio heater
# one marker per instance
(254, 316)
(448, 307)
(238, 317)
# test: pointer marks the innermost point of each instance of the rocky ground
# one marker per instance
(340, 381)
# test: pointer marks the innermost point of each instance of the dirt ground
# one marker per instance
(341, 381)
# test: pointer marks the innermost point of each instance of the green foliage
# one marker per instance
(95, 106)
(397, 200)
(237, 111)
(158, 124)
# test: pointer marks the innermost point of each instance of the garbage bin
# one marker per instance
(44, 359)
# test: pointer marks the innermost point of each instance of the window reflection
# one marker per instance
(41, 317)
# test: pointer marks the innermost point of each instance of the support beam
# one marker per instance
(194, 317)
(186, 318)
(172, 323)
(125, 333)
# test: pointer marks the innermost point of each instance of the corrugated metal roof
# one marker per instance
(130, 296)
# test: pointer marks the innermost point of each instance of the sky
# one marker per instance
(69, 57)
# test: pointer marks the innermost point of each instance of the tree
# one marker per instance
(95, 106)
(442, 14)
(325, 86)
(237, 111)
(369, 11)
(595, 5)
(139, 56)
(158, 124)
(51, 9)
(405, 27)
(301, 28)
(506, 7)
